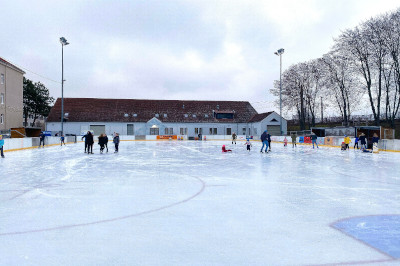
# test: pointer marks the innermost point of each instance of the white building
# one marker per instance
(162, 117)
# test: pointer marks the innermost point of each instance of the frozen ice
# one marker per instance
(187, 203)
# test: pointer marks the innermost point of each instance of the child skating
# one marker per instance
(224, 149)
(285, 142)
(248, 143)
(62, 139)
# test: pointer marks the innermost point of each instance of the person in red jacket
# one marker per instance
(224, 149)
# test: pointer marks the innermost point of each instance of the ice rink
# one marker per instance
(187, 203)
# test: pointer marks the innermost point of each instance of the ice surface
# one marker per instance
(187, 203)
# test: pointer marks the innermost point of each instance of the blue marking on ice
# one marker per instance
(381, 232)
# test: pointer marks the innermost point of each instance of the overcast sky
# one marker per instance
(182, 50)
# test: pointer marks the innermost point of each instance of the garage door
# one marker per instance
(274, 130)
(97, 129)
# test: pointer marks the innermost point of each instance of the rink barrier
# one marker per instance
(15, 144)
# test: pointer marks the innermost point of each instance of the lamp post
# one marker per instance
(279, 53)
(63, 42)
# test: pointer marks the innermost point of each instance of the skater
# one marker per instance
(248, 143)
(102, 142)
(224, 149)
(86, 141)
(314, 140)
(264, 141)
(356, 143)
(363, 140)
(106, 141)
(285, 142)
(343, 147)
(62, 138)
(347, 141)
(116, 141)
(294, 138)
(269, 141)
(42, 136)
(89, 141)
(375, 139)
(234, 137)
(363, 149)
(1, 146)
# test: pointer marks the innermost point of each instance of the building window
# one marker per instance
(229, 131)
(2, 98)
(198, 130)
(157, 115)
(213, 131)
(126, 115)
(206, 115)
(1, 119)
(134, 115)
(129, 129)
(169, 131)
(186, 115)
(2, 79)
(244, 131)
(154, 131)
(194, 116)
(255, 131)
(165, 115)
(183, 131)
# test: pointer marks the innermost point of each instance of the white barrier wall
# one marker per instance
(21, 143)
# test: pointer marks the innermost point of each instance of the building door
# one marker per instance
(274, 130)
(129, 129)
(98, 129)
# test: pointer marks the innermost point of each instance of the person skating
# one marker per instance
(363, 140)
(375, 139)
(294, 138)
(234, 137)
(42, 137)
(102, 142)
(248, 143)
(86, 141)
(347, 141)
(285, 142)
(314, 140)
(269, 141)
(106, 141)
(356, 143)
(62, 139)
(224, 149)
(1, 146)
(116, 141)
(264, 141)
(89, 140)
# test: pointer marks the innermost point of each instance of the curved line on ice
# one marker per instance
(203, 185)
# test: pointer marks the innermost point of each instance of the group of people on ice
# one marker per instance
(102, 141)
(266, 142)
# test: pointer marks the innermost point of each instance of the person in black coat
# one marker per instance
(363, 140)
(89, 140)
(42, 136)
(105, 141)
(269, 141)
(102, 142)
(86, 141)
(116, 142)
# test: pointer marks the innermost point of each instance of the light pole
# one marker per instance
(63, 42)
(279, 53)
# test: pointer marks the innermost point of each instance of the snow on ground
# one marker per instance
(187, 203)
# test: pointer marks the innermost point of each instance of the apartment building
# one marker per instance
(11, 95)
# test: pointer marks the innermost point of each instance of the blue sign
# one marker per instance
(47, 133)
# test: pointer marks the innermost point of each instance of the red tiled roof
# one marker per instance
(259, 117)
(4, 62)
(114, 110)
